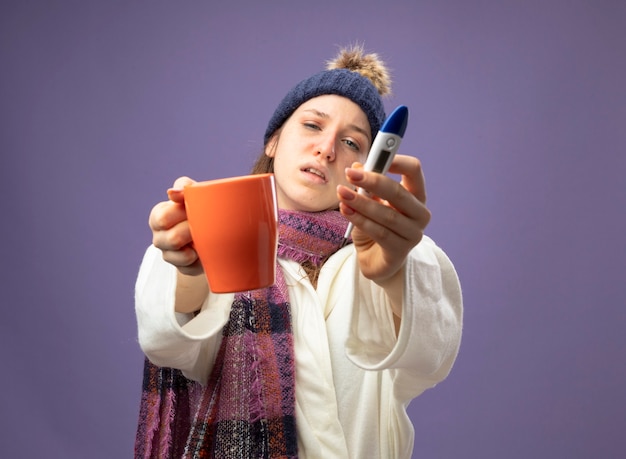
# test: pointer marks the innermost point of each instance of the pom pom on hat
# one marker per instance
(362, 78)
(368, 65)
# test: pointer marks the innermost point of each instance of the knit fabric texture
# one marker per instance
(341, 82)
(247, 408)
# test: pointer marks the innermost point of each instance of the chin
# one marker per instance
(310, 204)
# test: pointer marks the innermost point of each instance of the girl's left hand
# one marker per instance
(390, 221)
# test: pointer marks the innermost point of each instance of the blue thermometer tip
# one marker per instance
(397, 121)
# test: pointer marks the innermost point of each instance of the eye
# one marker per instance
(311, 126)
(352, 145)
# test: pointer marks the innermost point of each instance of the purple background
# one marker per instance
(518, 111)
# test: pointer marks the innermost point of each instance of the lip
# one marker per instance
(313, 176)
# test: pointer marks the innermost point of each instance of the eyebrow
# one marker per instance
(327, 116)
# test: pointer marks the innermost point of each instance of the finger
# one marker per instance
(186, 257)
(176, 193)
(182, 182)
(387, 189)
(175, 238)
(410, 168)
(357, 165)
(379, 220)
(166, 215)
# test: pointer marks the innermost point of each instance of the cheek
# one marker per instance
(354, 157)
(341, 175)
(360, 156)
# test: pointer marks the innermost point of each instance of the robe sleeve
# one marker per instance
(425, 348)
(171, 339)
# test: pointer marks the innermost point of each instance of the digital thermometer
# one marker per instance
(384, 148)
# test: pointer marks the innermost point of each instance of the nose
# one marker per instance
(326, 148)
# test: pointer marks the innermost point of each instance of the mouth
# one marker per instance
(316, 172)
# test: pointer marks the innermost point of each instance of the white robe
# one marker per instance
(354, 375)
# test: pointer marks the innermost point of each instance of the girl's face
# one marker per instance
(318, 141)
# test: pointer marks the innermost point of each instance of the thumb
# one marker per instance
(176, 193)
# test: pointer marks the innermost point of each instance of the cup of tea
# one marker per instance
(234, 229)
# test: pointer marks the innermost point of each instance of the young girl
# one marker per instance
(324, 363)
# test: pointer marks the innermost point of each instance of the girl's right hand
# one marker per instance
(170, 230)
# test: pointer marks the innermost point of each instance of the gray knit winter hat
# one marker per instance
(361, 78)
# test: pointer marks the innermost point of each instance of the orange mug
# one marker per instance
(234, 229)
